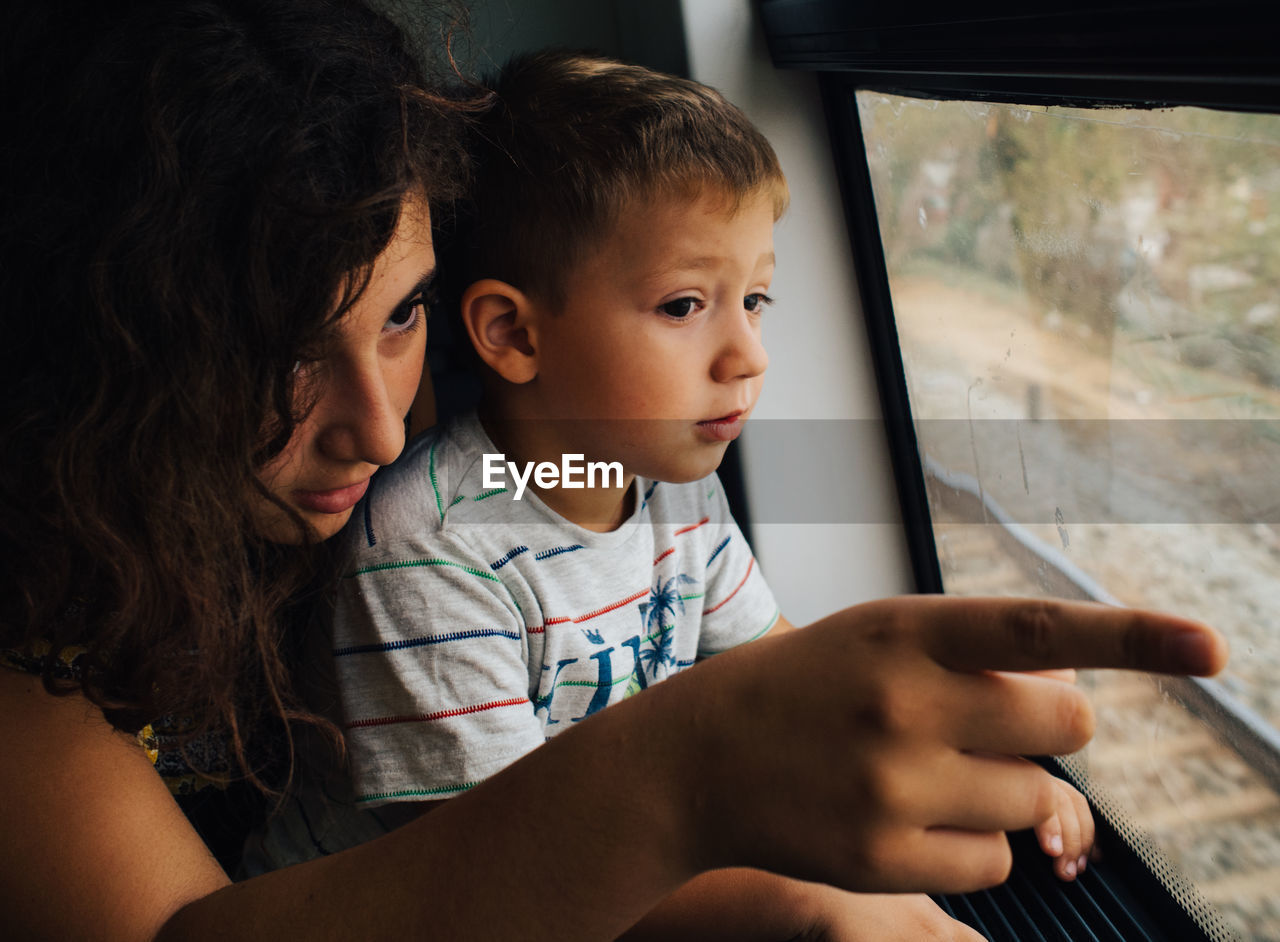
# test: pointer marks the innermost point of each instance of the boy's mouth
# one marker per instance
(725, 428)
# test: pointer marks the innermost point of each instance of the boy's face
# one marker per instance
(656, 353)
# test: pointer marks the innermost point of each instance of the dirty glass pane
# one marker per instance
(1088, 306)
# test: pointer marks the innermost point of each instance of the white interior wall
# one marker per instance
(819, 358)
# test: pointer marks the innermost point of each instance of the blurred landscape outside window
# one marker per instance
(1088, 307)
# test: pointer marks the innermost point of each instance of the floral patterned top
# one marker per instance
(221, 807)
(159, 738)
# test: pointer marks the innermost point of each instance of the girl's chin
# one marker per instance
(278, 528)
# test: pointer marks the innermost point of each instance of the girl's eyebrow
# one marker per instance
(423, 284)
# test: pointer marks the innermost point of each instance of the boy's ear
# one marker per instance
(500, 319)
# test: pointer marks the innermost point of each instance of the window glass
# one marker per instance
(1088, 307)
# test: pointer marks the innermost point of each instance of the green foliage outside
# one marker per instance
(1152, 223)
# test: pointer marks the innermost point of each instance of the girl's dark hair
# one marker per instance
(194, 191)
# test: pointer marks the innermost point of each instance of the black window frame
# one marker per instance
(1128, 54)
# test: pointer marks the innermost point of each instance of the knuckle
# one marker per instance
(986, 863)
(1135, 645)
(883, 792)
(1075, 717)
(936, 931)
(882, 854)
(997, 864)
(1084, 817)
(898, 713)
(883, 633)
(1044, 797)
(1033, 630)
(1070, 832)
(892, 623)
(887, 711)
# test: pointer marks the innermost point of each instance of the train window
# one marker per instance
(1087, 312)
(1069, 258)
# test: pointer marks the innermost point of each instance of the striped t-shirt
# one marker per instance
(471, 626)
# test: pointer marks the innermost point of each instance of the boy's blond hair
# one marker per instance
(573, 140)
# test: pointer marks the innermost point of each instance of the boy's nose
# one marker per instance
(743, 355)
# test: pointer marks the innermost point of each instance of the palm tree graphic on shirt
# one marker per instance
(658, 616)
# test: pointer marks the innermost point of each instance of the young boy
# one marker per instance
(618, 258)
(523, 568)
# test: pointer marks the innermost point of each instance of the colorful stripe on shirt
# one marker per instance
(438, 715)
(423, 641)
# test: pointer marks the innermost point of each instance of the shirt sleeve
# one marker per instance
(430, 657)
(738, 605)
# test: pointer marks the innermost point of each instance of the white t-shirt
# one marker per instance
(471, 626)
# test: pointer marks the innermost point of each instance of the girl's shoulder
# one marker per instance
(174, 754)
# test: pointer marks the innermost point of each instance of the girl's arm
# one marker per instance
(558, 849)
(814, 754)
(94, 845)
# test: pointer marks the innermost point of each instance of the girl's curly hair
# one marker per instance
(194, 191)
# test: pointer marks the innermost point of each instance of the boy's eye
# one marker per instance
(680, 307)
(755, 303)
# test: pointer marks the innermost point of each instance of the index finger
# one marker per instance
(1045, 634)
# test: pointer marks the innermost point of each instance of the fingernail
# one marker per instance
(1082, 863)
(1070, 868)
(1055, 845)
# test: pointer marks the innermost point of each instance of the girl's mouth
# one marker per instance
(337, 501)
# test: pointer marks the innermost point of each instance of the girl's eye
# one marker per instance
(305, 367)
(755, 303)
(408, 316)
(680, 307)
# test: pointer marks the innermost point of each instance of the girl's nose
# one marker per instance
(360, 421)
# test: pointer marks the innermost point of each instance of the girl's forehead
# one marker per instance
(406, 262)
